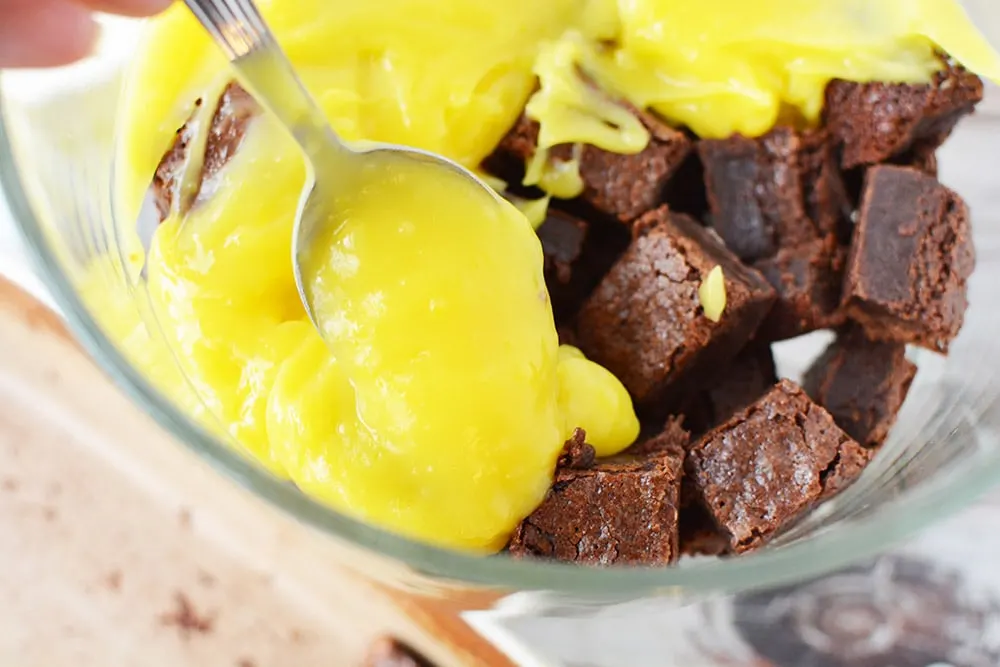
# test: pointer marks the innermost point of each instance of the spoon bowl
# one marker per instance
(337, 171)
(332, 189)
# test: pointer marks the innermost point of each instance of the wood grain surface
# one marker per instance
(119, 547)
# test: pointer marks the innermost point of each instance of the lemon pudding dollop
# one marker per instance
(440, 399)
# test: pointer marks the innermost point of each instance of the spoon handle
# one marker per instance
(239, 29)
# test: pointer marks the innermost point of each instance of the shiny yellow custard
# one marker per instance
(439, 400)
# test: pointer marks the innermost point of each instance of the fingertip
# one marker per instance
(46, 33)
(135, 8)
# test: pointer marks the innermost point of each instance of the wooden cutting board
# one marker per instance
(118, 547)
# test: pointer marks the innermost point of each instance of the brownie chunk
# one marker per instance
(235, 111)
(390, 652)
(862, 383)
(621, 511)
(645, 322)
(768, 464)
(809, 281)
(623, 186)
(174, 184)
(779, 191)
(577, 255)
(170, 172)
(747, 378)
(910, 260)
(876, 121)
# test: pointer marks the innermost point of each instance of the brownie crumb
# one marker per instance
(391, 652)
(876, 121)
(645, 323)
(623, 186)
(576, 453)
(910, 260)
(862, 383)
(622, 511)
(767, 465)
(186, 619)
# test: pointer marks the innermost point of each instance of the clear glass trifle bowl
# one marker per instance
(57, 133)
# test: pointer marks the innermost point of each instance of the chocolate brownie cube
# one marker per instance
(620, 511)
(809, 281)
(623, 186)
(778, 191)
(578, 253)
(910, 260)
(751, 375)
(873, 122)
(234, 111)
(862, 383)
(645, 322)
(770, 463)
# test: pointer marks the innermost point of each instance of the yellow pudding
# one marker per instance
(438, 399)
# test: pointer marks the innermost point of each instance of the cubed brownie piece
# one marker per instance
(809, 280)
(751, 375)
(624, 186)
(771, 462)
(391, 652)
(781, 190)
(578, 254)
(910, 260)
(618, 512)
(876, 121)
(645, 322)
(230, 120)
(862, 383)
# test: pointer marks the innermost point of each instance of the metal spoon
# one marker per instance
(238, 28)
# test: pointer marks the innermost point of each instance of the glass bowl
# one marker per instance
(56, 131)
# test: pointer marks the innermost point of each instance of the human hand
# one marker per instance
(46, 33)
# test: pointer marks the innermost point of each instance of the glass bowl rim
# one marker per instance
(821, 553)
